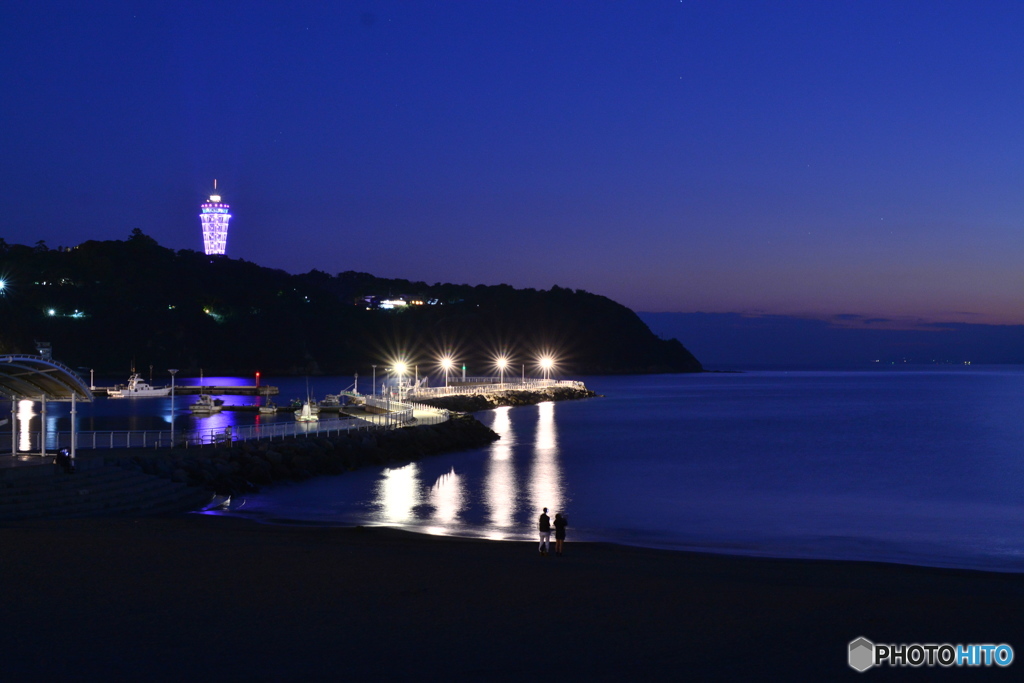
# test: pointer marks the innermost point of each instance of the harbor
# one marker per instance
(243, 412)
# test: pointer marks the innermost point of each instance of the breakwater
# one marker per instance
(497, 399)
(245, 466)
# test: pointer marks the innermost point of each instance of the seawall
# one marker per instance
(245, 466)
(497, 399)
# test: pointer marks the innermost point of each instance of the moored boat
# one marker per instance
(206, 405)
(137, 388)
(307, 413)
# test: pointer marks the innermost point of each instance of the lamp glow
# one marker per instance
(448, 364)
(546, 363)
(501, 362)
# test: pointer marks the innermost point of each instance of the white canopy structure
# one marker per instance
(36, 378)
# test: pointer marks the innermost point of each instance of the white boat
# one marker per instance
(136, 388)
(205, 405)
(269, 409)
(307, 413)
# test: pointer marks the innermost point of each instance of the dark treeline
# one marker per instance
(113, 304)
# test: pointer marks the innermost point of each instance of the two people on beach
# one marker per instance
(544, 526)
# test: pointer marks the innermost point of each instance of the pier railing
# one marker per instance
(475, 389)
(394, 413)
(398, 415)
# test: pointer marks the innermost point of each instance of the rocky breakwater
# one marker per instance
(245, 466)
(497, 399)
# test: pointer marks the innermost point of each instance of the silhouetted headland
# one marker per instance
(113, 305)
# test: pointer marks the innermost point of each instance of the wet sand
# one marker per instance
(202, 597)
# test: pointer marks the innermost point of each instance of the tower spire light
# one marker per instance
(215, 216)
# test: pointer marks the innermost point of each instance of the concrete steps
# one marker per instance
(96, 492)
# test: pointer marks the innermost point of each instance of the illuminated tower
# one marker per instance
(215, 219)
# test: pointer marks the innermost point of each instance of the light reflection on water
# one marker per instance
(442, 504)
(546, 478)
(496, 492)
(448, 500)
(500, 488)
(25, 415)
(398, 492)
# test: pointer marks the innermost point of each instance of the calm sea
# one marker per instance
(918, 466)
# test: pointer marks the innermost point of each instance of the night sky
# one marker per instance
(785, 158)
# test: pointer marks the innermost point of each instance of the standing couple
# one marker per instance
(545, 532)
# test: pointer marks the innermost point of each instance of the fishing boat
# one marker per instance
(137, 388)
(206, 405)
(307, 413)
(268, 409)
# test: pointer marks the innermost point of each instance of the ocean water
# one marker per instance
(920, 466)
(916, 466)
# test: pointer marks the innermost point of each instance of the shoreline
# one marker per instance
(171, 598)
(694, 549)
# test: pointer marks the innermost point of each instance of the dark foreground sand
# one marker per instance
(204, 598)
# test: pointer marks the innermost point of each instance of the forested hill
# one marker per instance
(114, 304)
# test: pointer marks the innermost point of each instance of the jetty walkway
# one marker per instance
(373, 413)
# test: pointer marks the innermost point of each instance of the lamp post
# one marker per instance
(447, 363)
(400, 369)
(545, 363)
(373, 386)
(173, 371)
(502, 363)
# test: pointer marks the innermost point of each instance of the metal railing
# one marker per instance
(407, 409)
(398, 415)
(476, 389)
(394, 414)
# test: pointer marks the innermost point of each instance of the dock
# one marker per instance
(188, 390)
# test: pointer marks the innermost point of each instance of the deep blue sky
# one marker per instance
(790, 158)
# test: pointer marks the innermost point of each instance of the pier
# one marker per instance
(192, 390)
(361, 413)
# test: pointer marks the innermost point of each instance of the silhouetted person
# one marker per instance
(63, 461)
(560, 524)
(544, 525)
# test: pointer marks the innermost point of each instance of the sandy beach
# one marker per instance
(201, 597)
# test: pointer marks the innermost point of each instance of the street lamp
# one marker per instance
(373, 386)
(173, 371)
(546, 363)
(502, 363)
(447, 363)
(400, 369)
